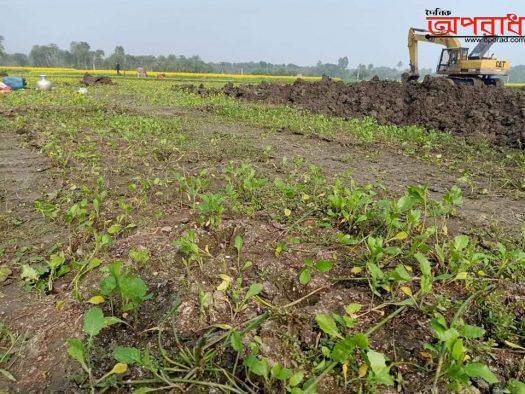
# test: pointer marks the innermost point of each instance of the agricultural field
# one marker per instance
(156, 236)
(182, 76)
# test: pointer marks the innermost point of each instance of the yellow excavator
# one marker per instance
(459, 66)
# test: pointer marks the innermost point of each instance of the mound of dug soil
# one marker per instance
(486, 112)
(90, 80)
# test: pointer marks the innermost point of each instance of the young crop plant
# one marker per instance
(43, 276)
(211, 208)
(130, 288)
(258, 367)
(243, 184)
(238, 295)
(305, 275)
(188, 247)
(238, 244)
(351, 351)
(351, 207)
(274, 375)
(192, 186)
(451, 349)
(81, 351)
(47, 209)
(140, 256)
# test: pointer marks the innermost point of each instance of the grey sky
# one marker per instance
(286, 31)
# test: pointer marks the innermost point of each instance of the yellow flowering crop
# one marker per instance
(63, 71)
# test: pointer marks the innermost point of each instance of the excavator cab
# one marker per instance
(450, 59)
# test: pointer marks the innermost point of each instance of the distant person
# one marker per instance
(117, 67)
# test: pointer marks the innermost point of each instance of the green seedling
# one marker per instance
(511, 262)
(276, 374)
(42, 277)
(426, 273)
(139, 256)
(102, 241)
(451, 350)
(47, 209)
(281, 247)
(261, 368)
(205, 301)
(451, 200)
(192, 186)
(243, 184)
(348, 349)
(305, 275)
(85, 267)
(130, 288)
(94, 323)
(237, 293)
(238, 243)
(211, 208)
(190, 250)
(350, 206)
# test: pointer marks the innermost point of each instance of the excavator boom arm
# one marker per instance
(419, 35)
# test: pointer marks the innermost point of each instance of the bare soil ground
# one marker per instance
(24, 177)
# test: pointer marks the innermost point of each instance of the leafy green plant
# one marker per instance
(130, 288)
(427, 277)
(451, 200)
(452, 352)
(83, 268)
(205, 301)
(350, 348)
(350, 206)
(94, 323)
(42, 277)
(47, 209)
(238, 294)
(238, 244)
(305, 275)
(211, 208)
(192, 186)
(243, 183)
(260, 366)
(140, 256)
(190, 250)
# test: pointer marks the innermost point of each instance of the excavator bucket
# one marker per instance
(409, 77)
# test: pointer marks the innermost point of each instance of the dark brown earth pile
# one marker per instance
(90, 80)
(486, 112)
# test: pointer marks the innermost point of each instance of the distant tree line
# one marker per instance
(517, 74)
(80, 55)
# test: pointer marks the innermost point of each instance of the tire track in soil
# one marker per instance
(42, 364)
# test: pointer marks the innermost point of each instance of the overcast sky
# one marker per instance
(278, 31)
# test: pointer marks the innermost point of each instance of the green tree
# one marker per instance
(45, 55)
(16, 59)
(2, 50)
(343, 62)
(97, 58)
(81, 54)
(120, 55)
